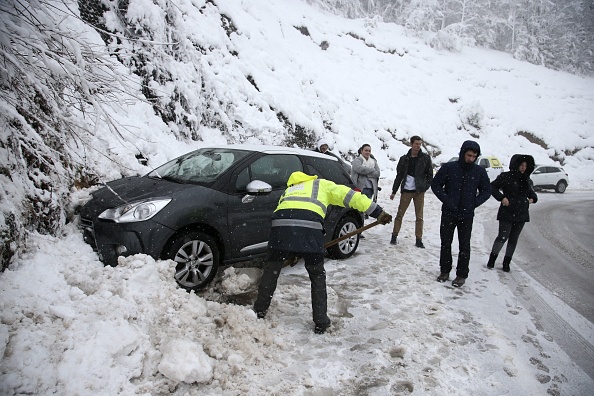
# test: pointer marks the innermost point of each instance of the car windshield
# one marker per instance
(199, 167)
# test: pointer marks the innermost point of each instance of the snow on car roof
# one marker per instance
(268, 149)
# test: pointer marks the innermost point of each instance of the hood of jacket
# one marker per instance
(299, 177)
(469, 145)
(517, 159)
(322, 142)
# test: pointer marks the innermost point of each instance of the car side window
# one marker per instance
(328, 169)
(273, 169)
(484, 163)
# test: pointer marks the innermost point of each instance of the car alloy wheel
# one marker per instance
(197, 258)
(347, 247)
(561, 187)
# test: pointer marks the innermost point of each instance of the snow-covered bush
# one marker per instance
(55, 86)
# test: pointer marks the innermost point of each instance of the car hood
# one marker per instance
(131, 189)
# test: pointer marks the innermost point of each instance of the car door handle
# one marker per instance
(247, 198)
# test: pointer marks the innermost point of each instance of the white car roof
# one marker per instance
(555, 165)
(266, 149)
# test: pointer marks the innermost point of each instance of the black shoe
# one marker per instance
(492, 258)
(443, 277)
(261, 314)
(321, 329)
(458, 281)
(419, 244)
(506, 261)
(394, 240)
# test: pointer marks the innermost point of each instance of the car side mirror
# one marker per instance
(258, 187)
(536, 172)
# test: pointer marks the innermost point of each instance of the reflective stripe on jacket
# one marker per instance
(316, 194)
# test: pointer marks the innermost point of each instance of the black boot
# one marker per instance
(492, 259)
(506, 261)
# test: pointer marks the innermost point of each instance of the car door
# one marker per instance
(554, 175)
(249, 216)
(537, 176)
(548, 176)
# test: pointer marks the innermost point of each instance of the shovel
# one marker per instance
(292, 261)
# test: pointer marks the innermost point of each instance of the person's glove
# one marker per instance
(384, 218)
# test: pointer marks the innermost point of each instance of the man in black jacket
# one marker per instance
(456, 185)
(414, 174)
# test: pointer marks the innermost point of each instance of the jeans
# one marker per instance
(314, 264)
(510, 232)
(418, 199)
(446, 233)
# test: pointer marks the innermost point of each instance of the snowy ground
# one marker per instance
(71, 326)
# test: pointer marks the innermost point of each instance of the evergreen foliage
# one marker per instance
(558, 34)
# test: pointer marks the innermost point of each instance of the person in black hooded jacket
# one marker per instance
(514, 191)
(461, 186)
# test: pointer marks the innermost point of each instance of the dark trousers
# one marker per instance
(510, 232)
(446, 232)
(314, 264)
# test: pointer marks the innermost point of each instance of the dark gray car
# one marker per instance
(207, 208)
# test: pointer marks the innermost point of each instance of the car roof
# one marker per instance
(552, 165)
(268, 149)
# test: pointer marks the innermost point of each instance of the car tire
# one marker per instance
(561, 187)
(197, 259)
(344, 249)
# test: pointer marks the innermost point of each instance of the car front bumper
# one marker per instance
(111, 239)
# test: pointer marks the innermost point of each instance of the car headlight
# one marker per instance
(136, 211)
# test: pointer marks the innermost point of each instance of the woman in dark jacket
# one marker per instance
(513, 189)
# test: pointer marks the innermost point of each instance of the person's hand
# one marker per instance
(530, 200)
(392, 196)
(505, 202)
(384, 218)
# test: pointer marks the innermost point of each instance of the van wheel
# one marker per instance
(344, 249)
(561, 187)
(197, 259)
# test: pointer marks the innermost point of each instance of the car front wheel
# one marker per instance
(561, 187)
(197, 259)
(347, 247)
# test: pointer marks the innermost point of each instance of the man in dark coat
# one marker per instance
(414, 174)
(514, 191)
(297, 230)
(456, 185)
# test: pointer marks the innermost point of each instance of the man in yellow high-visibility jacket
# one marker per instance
(297, 229)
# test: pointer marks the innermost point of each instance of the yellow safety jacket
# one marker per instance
(310, 193)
